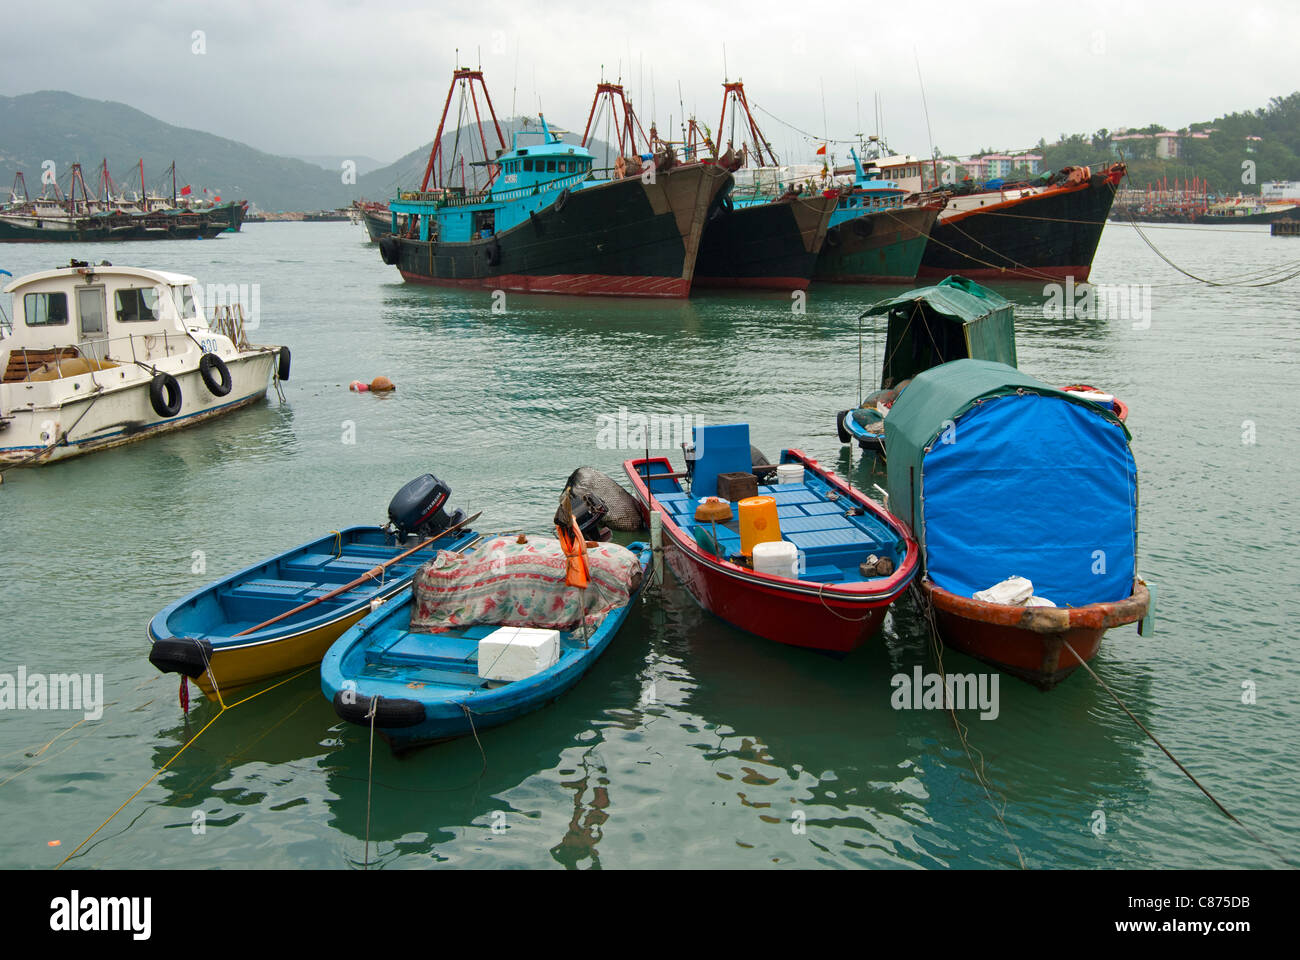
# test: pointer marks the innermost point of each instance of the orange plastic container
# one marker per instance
(758, 522)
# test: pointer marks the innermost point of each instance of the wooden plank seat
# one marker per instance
(22, 362)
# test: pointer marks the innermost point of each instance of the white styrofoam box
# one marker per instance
(517, 653)
(779, 557)
(1013, 590)
(789, 473)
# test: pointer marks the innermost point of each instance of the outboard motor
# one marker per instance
(588, 510)
(418, 508)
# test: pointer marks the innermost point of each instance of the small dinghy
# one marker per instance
(1024, 500)
(483, 637)
(282, 614)
(808, 560)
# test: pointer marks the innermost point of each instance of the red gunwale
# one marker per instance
(836, 618)
(1121, 408)
(1029, 642)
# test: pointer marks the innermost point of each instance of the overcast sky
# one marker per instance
(351, 78)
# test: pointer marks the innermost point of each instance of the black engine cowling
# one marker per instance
(418, 508)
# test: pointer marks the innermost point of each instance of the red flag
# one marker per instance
(185, 190)
(216, 199)
(822, 149)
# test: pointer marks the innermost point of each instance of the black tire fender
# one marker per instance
(863, 226)
(215, 374)
(833, 237)
(562, 199)
(286, 359)
(841, 429)
(391, 713)
(492, 252)
(165, 395)
(390, 250)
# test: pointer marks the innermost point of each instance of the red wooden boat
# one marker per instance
(1000, 475)
(1030, 642)
(834, 604)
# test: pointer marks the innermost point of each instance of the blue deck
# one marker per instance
(258, 593)
(381, 657)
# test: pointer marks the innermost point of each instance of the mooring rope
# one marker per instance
(937, 646)
(370, 775)
(1222, 809)
(157, 773)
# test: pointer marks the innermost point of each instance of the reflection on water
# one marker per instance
(688, 744)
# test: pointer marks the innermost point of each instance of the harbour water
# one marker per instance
(689, 744)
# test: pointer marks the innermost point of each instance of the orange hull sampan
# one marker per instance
(998, 476)
(1030, 642)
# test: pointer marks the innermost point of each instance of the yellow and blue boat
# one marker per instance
(283, 613)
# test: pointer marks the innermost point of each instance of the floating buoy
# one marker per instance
(54, 843)
(358, 387)
(382, 385)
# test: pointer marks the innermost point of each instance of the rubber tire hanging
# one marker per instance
(285, 359)
(215, 374)
(165, 395)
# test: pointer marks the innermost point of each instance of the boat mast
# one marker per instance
(628, 127)
(144, 204)
(734, 93)
(464, 79)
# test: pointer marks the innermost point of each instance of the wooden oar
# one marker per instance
(368, 575)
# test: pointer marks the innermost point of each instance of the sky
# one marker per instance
(346, 78)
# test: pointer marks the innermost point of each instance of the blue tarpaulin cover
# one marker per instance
(1035, 487)
(1015, 479)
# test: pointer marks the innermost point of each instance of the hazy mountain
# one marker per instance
(62, 127)
(58, 126)
(334, 164)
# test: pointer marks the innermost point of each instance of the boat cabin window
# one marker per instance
(528, 166)
(45, 309)
(136, 305)
(184, 300)
(550, 166)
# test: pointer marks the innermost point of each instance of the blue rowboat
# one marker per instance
(428, 684)
(196, 635)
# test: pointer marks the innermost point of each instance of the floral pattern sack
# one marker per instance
(505, 583)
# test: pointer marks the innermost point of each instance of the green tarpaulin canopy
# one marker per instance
(955, 319)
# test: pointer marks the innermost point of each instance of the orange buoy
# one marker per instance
(382, 385)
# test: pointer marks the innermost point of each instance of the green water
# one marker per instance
(689, 744)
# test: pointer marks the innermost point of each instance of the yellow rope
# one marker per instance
(157, 773)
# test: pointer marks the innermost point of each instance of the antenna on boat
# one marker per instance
(933, 162)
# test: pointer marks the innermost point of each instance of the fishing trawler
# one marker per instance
(109, 214)
(1044, 229)
(769, 236)
(875, 236)
(99, 356)
(544, 220)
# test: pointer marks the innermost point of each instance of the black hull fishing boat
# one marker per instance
(1024, 231)
(544, 221)
(772, 245)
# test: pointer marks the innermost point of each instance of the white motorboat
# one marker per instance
(98, 356)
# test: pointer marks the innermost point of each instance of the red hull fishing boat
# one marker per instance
(1044, 229)
(1001, 476)
(848, 559)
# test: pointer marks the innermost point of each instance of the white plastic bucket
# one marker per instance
(777, 557)
(789, 473)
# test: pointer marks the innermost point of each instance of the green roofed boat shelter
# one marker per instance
(956, 319)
